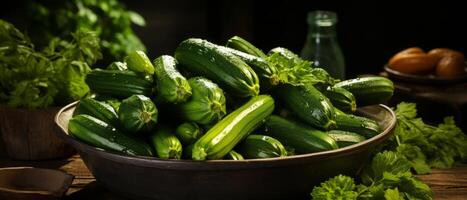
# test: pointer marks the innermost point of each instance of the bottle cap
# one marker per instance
(322, 18)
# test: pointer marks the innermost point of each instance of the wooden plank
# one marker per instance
(448, 184)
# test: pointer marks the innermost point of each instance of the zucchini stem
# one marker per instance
(145, 116)
(330, 125)
(199, 153)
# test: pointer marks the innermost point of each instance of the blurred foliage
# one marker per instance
(109, 19)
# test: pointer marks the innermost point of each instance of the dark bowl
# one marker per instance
(290, 177)
(426, 78)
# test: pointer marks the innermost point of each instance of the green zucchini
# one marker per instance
(137, 113)
(308, 104)
(345, 138)
(171, 85)
(242, 45)
(341, 98)
(97, 109)
(166, 144)
(302, 138)
(261, 146)
(369, 90)
(213, 62)
(356, 124)
(138, 61)
(207, 103)
(102, 135)
(119, 84)
(237, 125)
(267, 73)
(233, 155)
(121, 66)
(188, 133)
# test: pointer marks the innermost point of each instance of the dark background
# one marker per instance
(369, 33)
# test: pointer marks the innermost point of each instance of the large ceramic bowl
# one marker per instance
(290, 177)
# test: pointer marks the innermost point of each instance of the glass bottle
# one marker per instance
(321, 44)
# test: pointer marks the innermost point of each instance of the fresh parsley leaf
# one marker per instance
(387, 176)
(384, 162)
(109, 19)
(337, 188)
(54, 76)
(414, 188)
(296, 71)
(415, 156)
(406, 110)
(424, 145)
(393, 194)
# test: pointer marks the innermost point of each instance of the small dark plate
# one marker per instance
(426, 78)
(24, 183)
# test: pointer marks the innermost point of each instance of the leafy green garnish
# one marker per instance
(424, 145)
(389, 170)
(393, 194)
(388, 176)
(339, 188)
(415, 145)
(109, 19)
(296, 71)
(37, 79)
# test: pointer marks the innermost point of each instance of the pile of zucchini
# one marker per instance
(223, 102)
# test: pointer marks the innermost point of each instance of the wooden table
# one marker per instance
(446, 184)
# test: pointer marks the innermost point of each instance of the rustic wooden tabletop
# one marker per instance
(446, 184)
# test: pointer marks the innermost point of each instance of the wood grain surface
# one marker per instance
(32, 134)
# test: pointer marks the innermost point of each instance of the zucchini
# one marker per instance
(97, 109)
(119, 84)
(138, 61)
(261, 146)
(242, 45)
(207, 103)
(345, 138)
(171, 85)
(341, 98)
(213, 62)
(233, 155)
(102, 135)
(166, 144)
(228, 132)
(267, 73)
(356, 124)
(308, 104)
(300, 137)
(121, 66)
(188, 133)
(138, 113)
(369, 90)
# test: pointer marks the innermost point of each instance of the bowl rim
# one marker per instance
(223, 164)
(427, 78)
